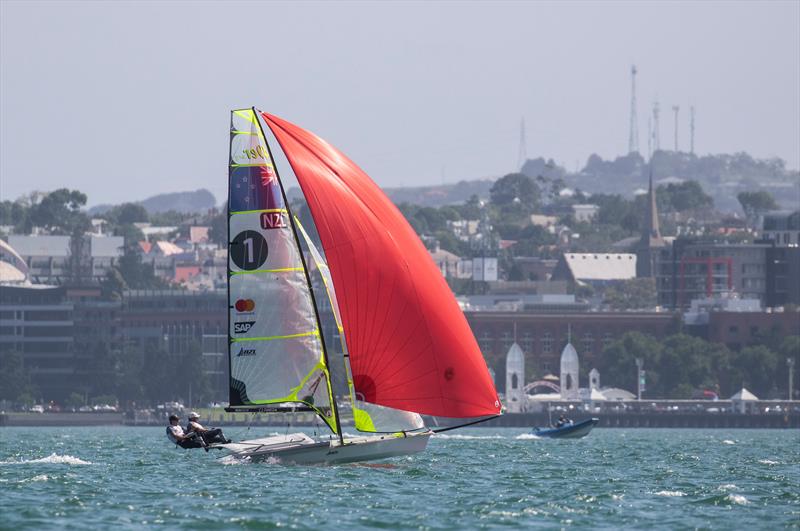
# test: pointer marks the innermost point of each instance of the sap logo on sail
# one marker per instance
(242, 327)
(246, 352)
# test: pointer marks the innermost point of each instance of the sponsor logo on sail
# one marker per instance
(273, 220)
(242, 327)
(245, 305)
(246, 352)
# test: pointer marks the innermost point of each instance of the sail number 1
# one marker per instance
(273, 220)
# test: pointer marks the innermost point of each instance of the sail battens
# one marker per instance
(272, 338)
(405, 334)
(256, 165)
(279, 270)
(275, 349)
(276, 210)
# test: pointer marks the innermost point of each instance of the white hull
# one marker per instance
(300, 449)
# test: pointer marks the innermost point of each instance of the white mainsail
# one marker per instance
(276, 350)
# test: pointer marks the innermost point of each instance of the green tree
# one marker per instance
(127, 213)
(688, 363)
(515, 190)
(632, 294)
(114, 284)
(755, 368)
(14, 377)
(218, 233)
(680, 197)
(59, 212)
(754, 204)
(617, 362)
(74, 401)
(789, 349)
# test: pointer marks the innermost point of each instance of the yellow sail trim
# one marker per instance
(293, 396)
(272, 338)
(247, 114)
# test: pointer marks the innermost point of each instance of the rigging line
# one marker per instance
(308, 278)
(440, 430)
(228, 263)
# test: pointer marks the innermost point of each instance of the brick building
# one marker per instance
(542, 336)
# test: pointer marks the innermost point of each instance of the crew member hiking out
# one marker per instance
(184, 440)
(209, 435)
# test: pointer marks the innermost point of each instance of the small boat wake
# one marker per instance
(527, 437)
(53, 459)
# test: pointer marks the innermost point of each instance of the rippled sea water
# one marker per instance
(126, 478)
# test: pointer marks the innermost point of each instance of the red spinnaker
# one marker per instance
(410, 346)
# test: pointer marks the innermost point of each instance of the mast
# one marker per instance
(228, 264)
(308, 282)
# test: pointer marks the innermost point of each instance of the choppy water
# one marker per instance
(126, 478)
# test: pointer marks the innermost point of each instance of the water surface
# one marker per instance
(125, 478)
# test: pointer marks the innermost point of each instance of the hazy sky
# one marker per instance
(125, 100)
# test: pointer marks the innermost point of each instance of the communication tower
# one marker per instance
(691, 129)
(656, 127)
(633, 138)
(675, 109)
(522, 155)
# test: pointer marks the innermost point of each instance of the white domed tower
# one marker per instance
(515, 380)
(569, 373)
(594, 379)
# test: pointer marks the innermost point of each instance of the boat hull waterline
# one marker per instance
(299, 449)
(570, 431)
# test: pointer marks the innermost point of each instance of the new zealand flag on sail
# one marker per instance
(254, 188)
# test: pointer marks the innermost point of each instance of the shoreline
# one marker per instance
(509, 420)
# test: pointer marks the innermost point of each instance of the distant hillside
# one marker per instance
(187, 202)
(721, 176)
(433, 196)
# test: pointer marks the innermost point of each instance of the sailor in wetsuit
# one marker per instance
(184, 440)
(209, 436)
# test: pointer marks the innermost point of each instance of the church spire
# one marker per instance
(651, 242)
(651, 234)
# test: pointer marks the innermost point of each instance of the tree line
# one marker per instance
(680, 365)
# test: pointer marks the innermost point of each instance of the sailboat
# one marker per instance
(406, 349)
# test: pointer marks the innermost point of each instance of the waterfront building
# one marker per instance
(693, 269)
(171, 319)
(570, 373)
(782, 227)
(596, 269)
(49, 257)
(515, 380)
(542, 336)
(585, 213)
(36, 324)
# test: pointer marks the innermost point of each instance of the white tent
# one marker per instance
(744, 395)
(615, 393)
(741, 399)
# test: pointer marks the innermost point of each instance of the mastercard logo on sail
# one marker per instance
(245, 305)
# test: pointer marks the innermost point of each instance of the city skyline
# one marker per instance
(416, 94)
